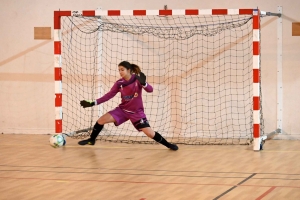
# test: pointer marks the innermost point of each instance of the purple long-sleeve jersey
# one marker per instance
(131, 94)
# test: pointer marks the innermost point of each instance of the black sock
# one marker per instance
(96, 130)
(158, 138)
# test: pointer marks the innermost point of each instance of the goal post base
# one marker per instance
(274, 133)
(257, 144)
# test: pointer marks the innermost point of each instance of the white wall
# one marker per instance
(26, 65)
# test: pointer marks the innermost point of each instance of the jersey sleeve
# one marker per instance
(113, 91)
(148, 87)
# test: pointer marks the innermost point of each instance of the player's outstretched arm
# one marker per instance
(87, 103)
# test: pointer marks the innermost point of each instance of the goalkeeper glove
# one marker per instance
(141, 78)
(87, 103)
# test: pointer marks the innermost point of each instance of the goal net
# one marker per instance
(201, 69)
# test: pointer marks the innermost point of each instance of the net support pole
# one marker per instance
(256, 80)
(279, 70)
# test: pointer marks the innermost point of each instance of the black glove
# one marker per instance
(141, 78)
(87, 103)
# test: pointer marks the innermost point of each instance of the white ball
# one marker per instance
(57, 140)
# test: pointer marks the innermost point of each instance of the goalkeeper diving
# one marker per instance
(131, 85)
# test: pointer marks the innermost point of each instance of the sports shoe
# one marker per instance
(173, 147)
(88, 141)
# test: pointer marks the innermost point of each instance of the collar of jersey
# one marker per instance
(125, 83)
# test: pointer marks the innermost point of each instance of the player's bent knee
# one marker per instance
(148, 131)
(142, 123)
(141, 126)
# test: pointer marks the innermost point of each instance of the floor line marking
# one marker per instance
(266, 193)
(247, 179)
(232, 188)
(147, 170)
(145, 182)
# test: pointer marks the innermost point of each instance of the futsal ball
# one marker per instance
(57, 140)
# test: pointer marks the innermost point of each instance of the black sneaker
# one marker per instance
(88, 141)
(173, 147)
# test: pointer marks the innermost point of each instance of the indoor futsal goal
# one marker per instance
(204, 66)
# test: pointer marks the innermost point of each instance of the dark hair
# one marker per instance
(133, 67)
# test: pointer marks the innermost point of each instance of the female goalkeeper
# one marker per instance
(131, 108)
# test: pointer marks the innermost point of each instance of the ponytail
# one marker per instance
(133, 67)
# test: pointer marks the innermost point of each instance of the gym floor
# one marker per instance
(31, 169)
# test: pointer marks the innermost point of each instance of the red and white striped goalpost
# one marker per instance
(256, 53)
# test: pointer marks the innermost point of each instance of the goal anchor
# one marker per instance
(269, 136)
